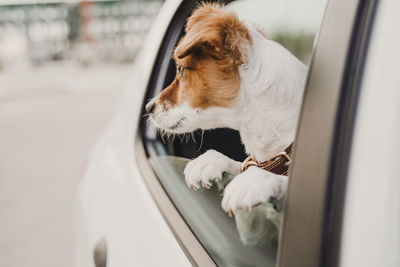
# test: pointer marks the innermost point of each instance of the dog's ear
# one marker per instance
(214, 31)
(200, 43)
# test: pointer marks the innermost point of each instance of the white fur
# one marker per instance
(272, 85)
(253, 187)
(182, 117)
(265, 113)
(208, 167)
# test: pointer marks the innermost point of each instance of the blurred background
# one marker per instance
(62, 67)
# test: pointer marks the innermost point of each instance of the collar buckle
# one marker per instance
(278, 163)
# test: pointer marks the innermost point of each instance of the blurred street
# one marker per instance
(50, 116)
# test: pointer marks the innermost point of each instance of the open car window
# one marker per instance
(250, 238)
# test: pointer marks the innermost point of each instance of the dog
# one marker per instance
(230, 75)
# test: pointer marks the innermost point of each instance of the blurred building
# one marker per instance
(87, 31)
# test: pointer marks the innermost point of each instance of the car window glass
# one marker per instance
(294, 25)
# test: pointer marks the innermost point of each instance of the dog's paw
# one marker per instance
(208, 167)
(251, 188)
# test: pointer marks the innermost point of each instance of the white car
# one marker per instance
(343, 203)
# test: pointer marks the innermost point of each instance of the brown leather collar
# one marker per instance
(278, 164)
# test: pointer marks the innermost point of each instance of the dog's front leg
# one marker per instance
(253, 187)
(208, 167)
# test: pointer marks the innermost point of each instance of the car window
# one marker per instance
(292, 23)
(371, 220)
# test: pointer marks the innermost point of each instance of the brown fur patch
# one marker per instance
(170, 94)
(211, 53)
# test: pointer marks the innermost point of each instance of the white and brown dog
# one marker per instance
(230, 75)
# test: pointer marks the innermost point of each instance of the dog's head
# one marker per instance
(207, 72)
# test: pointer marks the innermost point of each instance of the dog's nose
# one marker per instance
(150, 107)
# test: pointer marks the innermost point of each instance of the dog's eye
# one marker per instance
(180, 69)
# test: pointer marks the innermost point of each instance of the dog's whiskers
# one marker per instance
(201, 140)
(148, 122)
(172, 136)
(192, 135)
(162, 135)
